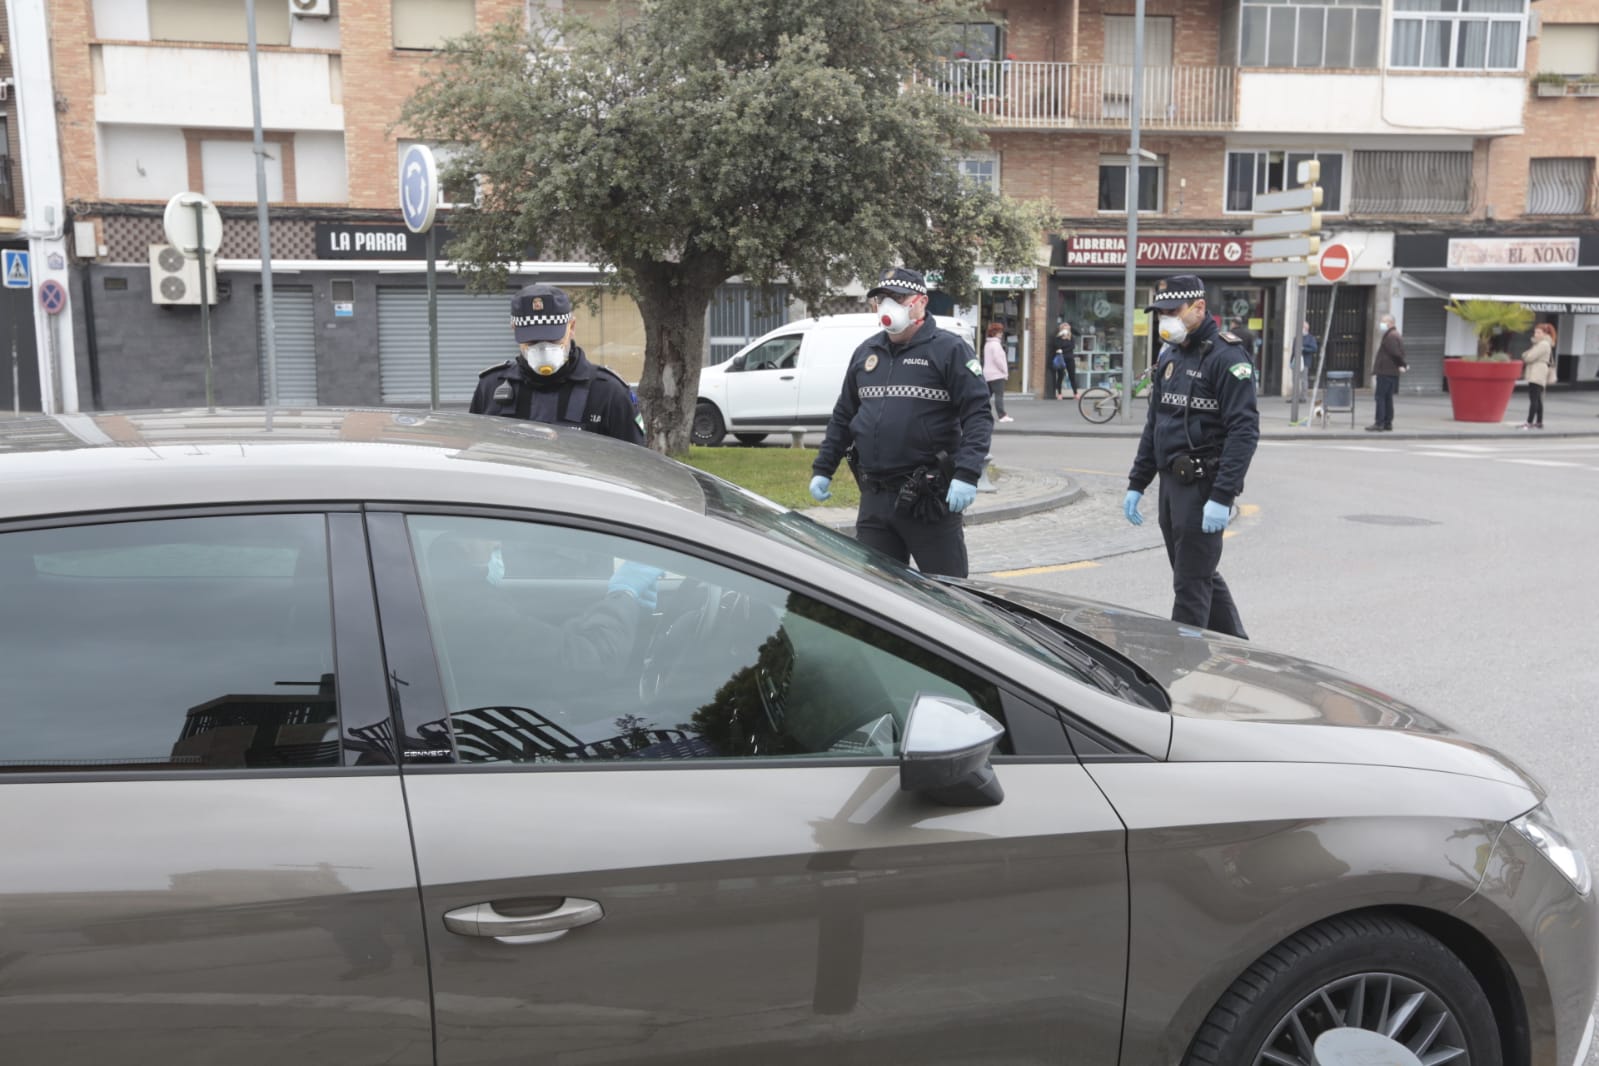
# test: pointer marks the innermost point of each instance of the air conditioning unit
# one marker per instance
(175, 278)
(311, 9)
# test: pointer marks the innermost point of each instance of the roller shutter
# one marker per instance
(293, 322)
(474, 332)
(1423, 334)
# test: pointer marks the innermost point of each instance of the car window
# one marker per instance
(779, 353)
(699, 661)
(196, 643)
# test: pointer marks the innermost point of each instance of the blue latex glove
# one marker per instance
(638, 581)
(819, 488)
(1130, 507)
(961, 494)
(1214, 520)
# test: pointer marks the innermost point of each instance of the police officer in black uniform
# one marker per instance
(915, 407)
(1200, 436)
(552, 380)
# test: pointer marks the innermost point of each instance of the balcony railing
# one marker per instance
(8, 199)
(1024, 95)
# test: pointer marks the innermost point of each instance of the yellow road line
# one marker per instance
(1055, 569)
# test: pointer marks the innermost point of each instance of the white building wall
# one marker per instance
(312, 33)
(210, 88)
(320, 172)
(121, 20)
(1314, 103)
(142, 162)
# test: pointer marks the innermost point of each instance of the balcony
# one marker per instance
(1011, 94)
(1320, 101)
(209, 88)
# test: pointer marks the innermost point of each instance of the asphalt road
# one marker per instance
(1461, 576)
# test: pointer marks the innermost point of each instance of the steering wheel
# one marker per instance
(685, 631)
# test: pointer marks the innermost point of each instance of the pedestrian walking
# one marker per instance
(1307, 357)
(551, 380)
(1386, 368)
(1062, 356)
(915, 410)
(1540, 371)
(1199, 438)
(996, 369)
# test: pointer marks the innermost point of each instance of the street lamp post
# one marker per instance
(268, 325)
(1130, 281)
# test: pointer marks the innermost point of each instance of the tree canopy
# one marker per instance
(702, 140)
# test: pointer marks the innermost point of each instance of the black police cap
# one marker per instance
(900, 281)
(1176, 291)
(540, 313)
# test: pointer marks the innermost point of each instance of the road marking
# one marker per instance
(1058, 568)
(1448, 455)
(1542, 462)
(1358, 448)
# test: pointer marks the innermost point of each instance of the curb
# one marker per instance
(1070, 493)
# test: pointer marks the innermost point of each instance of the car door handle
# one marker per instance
(786, 377)
(484, 919)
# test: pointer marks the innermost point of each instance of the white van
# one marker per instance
(790, 377)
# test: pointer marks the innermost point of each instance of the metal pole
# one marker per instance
(269, 327)
(1296, 375)
(1130, 281)
(1292, 307)
(433, 325)
(1321, 357)
(205, 300)
(16, 377)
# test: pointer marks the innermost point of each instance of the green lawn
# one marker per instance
(779, 474)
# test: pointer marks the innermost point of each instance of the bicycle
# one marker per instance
(1100, 404)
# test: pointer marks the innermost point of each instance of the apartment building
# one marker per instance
(155, 100)
(1456, 148)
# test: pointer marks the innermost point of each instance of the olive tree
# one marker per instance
(788, 141)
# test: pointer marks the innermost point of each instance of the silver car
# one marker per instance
(345, 737)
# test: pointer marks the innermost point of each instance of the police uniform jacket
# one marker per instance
(1204, 405)
(579, 394)
(902, 404)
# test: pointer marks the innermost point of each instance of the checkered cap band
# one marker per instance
(1185, 296)
(540, 320)
(902, 286)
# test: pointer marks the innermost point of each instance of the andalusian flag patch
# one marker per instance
(1242, 371)
(975, 367)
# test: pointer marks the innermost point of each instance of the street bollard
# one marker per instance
(797, 436)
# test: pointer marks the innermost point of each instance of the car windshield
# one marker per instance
(732, 503)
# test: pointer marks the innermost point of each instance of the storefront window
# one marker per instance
(1009, 309)
(1099, 327)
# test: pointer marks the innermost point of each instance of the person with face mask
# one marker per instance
(915, 407)
(551, 380)
(1200, 436)
(1386, 367)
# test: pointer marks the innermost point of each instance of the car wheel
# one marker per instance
(1364, 972)
(708, 426)
(751, 439)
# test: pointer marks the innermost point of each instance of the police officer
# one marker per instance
(1199, 437)
(552, 380)
(915, 406)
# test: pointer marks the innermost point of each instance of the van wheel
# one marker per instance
(752, 439)
(708, 425)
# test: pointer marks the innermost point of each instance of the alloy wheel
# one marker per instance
(1400, 1008)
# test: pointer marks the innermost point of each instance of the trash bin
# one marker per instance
(1340, 390)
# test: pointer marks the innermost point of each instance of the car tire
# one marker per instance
(751, 439)
(1325, 965)
(708, 426)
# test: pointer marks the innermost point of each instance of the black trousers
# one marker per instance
(938, 547)
(1387, 386)
(1534, 405)
(1202, 597)
(996, 393)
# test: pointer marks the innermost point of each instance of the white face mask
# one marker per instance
(545, 359)
(1382, 327)
(893, 315)
(1172, 330)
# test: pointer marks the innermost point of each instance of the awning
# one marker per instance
(1573, 291)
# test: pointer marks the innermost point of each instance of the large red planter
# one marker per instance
(1480, 391)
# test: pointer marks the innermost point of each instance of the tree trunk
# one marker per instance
(674, 343)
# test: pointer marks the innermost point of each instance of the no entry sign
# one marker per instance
(1335, 261)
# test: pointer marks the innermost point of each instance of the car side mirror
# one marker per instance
(737, 363)
(945, 754)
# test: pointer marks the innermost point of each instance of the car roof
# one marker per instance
(81, 463)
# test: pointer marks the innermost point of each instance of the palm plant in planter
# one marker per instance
(1480, 385)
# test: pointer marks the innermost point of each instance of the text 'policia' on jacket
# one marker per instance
(1204, 404)
(903, 404)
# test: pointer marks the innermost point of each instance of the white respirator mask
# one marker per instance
(893, 315)
(1172, 330)
(545, 359)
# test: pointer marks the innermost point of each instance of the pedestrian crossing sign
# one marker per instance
(14, 268)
